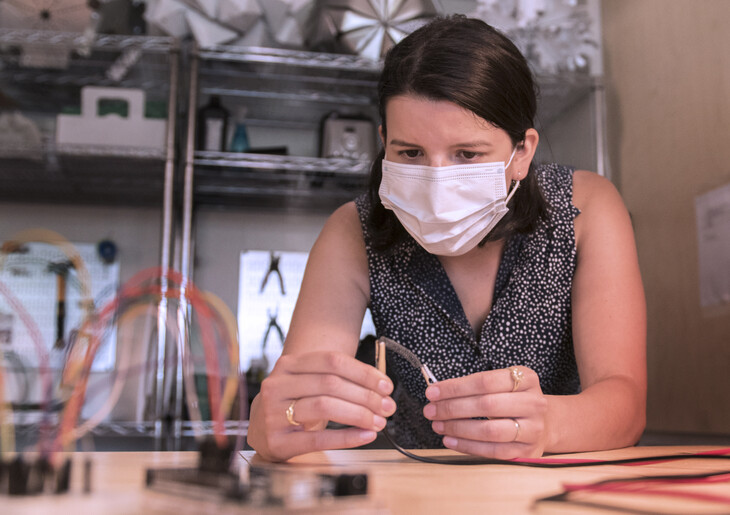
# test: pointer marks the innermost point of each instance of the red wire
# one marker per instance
(132, 290)
(649, 486)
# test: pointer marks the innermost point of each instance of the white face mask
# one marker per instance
(447, 209)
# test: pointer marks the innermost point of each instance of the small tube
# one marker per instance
(380, 355)
(430, 379)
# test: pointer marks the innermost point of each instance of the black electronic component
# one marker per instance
(21, 477)
(273, 485)
(197, 483)
(63, 477)
(18, 471)
(292, 488)
(212, 477)
(213, 458)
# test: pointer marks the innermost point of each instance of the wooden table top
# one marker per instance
(396, 484)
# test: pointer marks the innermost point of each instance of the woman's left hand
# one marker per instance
(496, 414)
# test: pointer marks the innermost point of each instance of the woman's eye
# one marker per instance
(410, 153)
(465, 154)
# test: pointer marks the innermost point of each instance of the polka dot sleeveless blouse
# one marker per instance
(413, 302)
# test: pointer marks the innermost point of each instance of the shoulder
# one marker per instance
(594, 194)
(343, 228)
(345, 216)
(589, 186)
(600, 204)
(340, 247)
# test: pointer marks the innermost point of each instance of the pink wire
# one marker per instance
(35, 335)
(131, 290)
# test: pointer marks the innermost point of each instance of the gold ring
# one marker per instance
(290, 414)
(517, 427)
(517, 377)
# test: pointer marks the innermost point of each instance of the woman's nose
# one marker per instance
(437, 160)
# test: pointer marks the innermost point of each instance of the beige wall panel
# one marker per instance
(668, 84)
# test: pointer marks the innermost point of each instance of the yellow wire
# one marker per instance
(53, 238)
(230, 390)
(128, 317)
(76, 361)
(231, 343)
(7, 426)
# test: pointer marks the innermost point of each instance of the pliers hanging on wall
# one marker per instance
(273, 269)
(273, 324)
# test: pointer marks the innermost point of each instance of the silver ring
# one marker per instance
(517, 427)
(290, 414)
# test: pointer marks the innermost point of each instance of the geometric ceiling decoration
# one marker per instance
(50, 15)
(555, 35)
(277, 23)
(368, 28)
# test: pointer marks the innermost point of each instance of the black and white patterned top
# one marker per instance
(413, 302)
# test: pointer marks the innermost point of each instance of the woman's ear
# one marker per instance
(382, 135)
(525, 152)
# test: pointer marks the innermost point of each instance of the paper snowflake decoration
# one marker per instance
(555, 35)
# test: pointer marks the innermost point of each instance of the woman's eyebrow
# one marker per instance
(468, 144)
(402, 143)
(473, 144)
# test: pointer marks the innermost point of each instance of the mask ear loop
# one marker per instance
(511, 193)
(517, 182)
(511, 157)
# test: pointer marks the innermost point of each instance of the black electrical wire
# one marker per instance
(467, 459)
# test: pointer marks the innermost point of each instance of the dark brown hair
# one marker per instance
(471, 64)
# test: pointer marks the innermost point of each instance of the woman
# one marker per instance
(518, 285)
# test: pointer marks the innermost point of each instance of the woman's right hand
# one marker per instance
(324, 386)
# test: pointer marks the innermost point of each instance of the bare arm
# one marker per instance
(609, 328)
(318, 370)
(335, 290)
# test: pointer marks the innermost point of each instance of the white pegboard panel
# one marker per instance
(261, 297)
(28, 277)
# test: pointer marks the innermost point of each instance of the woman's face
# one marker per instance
(440, 133)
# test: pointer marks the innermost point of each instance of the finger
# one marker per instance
(500, 451)
(491, 381)
(336, 363)
(335, 386)
(500, 430)
(496, 405)
(309, 441)
(293, 386)
(308, 410)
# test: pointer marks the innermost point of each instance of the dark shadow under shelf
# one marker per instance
(277, 182)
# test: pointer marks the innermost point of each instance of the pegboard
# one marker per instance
(269, 283)
(29, 277)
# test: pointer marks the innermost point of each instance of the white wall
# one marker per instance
(221, 236)
(136, 231)
(668, 76)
